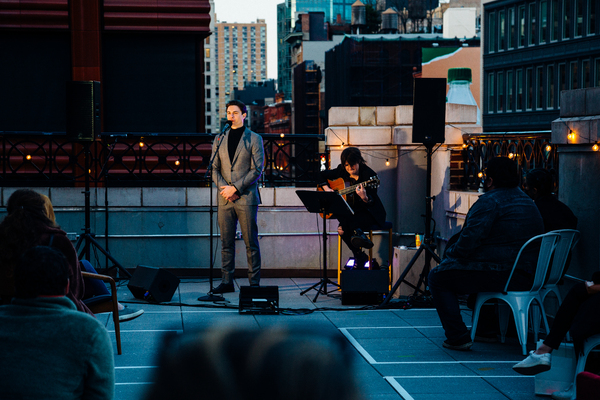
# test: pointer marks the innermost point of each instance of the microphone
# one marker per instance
(227, 126)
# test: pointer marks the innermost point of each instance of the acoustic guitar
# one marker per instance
(339, 186)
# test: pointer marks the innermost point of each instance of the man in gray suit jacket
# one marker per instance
(236, 170)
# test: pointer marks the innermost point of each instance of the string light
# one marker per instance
(28, 156)
(548, 148)
(595, 147)
(511, 155)
(342, 145)
(480, 175)
(571, 135)
(464, 145)
(387, 162)
(141, 144)
(177, 162)
(281, 135)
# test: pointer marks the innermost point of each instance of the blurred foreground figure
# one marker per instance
(243, 364)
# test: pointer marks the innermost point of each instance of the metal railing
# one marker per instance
(166, 160)
(529, 149)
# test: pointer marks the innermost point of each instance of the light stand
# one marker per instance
(426, 244)
(210, 296)
(87, 239)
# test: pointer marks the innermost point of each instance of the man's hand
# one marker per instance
(593, 288)
(229, 192)
(326, 188)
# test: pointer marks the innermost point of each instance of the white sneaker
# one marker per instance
(566, 394)
(534, 364)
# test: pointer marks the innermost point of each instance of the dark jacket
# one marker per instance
(374, 206)
(496, 227)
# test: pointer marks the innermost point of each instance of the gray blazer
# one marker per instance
(244, 172)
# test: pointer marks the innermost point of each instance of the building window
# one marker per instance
(591, 21)
(208, 120)
(501, 30)
(585, 68)
(208, 93)
(208, 106)
(491, 92)
(543, 21)
(208, 79)
(207, 66)
(532, 24)
(574, 75)
(500, 91)
(519, 79)
(539, 85)
(521, 26)
(555, 18)
(566, 19)
(562, 80)
(529, 88)
(206, 53)
(509, 91)
(597, 72)
(512, 28)
(550, 92)
(578, 18)
(492, 33)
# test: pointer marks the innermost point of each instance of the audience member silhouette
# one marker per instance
(48, 349)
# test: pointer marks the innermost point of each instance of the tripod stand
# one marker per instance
(426, 246)
(323, 203)
(87, 238)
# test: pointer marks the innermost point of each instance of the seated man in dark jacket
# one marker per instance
(364, 201)
(48, 349)
(495, 229)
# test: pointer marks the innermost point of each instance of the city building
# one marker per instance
(336, 12)
(378, 70)
(278, 116)
(533, 51)
(144, 54)
(210, 77)
(241, 54)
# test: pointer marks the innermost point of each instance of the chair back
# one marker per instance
(547, 246)
(568, 240)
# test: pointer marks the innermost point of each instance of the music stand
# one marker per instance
(323, 203)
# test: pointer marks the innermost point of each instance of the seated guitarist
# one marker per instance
(368, 209)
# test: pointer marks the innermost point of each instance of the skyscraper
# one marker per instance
(287, 14)
(241, 56)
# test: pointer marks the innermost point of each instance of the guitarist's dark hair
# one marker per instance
(352, 156)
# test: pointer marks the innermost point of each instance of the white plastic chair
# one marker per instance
(520, 302)
(568, 240)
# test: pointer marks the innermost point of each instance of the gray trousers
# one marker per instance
(228, 216)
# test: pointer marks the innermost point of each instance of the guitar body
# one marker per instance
(337, 185)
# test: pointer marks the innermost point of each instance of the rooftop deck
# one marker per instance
(399, 353)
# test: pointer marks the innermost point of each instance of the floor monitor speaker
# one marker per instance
(153, 284)
(363, 287)
(259, 300)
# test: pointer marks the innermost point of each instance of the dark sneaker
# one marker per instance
(224, 288)
(127, 314)
(461, 344)
(360, 260)
(361, 240)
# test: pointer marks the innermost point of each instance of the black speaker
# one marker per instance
(153, 284)
(259, 300)
(83, 110)
(429, 111)
(362, 287)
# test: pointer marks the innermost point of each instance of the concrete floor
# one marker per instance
(399, 352)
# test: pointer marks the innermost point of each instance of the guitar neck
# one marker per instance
(352, 188)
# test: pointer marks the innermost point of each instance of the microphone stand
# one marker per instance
(210, 296)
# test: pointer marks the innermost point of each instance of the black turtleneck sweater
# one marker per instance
(234, 139)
